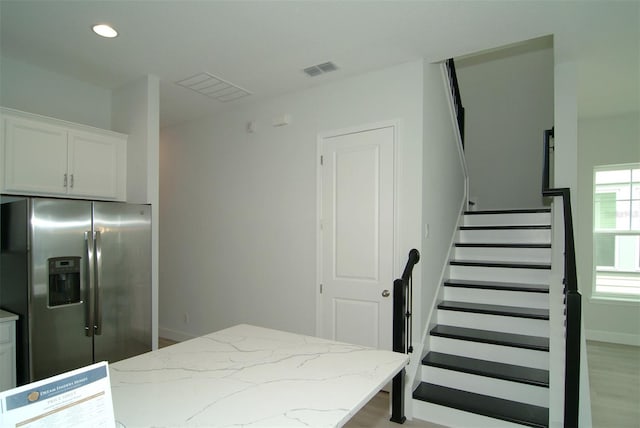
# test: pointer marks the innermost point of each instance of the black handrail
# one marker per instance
(546, 161)
(457, 98)
(402, 331)
(573, 299)
(402, 304)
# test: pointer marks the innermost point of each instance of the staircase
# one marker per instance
(488, 356)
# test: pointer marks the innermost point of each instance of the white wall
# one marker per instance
(443, 182)
(603, 141)
(444, 197)
(35, 90)
(239, 209)
(508, 100)
(564, 175)
(136, 112)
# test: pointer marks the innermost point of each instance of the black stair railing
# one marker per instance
(457, 99)
(402, 331)
(573, 299)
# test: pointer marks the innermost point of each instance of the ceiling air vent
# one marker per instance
(316, 70)
(213, 87)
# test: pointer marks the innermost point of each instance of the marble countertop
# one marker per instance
(247, 376)
(7, 316)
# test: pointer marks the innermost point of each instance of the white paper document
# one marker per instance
(78, 398)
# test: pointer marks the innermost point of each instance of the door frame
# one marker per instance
(395, 124)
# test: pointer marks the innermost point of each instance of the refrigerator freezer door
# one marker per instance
(58, 330)
(123, 258)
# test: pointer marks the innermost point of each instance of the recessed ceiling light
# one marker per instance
(105, 30)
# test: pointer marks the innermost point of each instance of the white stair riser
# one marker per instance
(500, 274)
(505, 254)
(497, 297)
(449, 417)
(504, 324)
(486, 351)
(506, 236)
(514, 391)
(513, 219)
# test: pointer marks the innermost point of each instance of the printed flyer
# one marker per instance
(78, 398)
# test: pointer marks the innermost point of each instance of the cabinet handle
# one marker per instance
(71, 181)
(65, 179)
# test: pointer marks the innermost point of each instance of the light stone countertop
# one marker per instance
(7, 316)
(251, 377)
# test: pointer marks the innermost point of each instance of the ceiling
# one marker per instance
(262, 46)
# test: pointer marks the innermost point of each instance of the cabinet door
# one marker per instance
(94, 162)
(7, 370)
(7, 355)
(35, 157)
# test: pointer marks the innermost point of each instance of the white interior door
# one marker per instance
(357, 224)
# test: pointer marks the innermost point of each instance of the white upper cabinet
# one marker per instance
(35, 156)
(43, 156)
(93, 165)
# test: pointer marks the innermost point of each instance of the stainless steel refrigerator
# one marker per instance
(78, 274)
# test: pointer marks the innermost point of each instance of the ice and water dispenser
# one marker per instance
(64, 281)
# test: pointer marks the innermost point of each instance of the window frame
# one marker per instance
(608, 295)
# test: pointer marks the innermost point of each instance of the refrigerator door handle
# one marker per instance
(90, 273)
(98, 289)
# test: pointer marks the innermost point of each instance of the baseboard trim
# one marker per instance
(178, 336)
(613, 337)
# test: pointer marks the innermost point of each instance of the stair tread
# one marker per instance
(481, 308)
(495, 285)
(498, 408)
(500, 245)
(492, 337)
(510, 372)
(504, 264)
(509, 227)
(515, 211)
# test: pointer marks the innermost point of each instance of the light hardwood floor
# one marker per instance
(376, 415)
(162, 342)
(614, 376)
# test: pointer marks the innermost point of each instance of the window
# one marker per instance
(616, 233)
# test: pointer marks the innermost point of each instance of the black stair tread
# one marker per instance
(501, 264)
(516, 211)
(498, 408)
(481, 308)
(492, 337)
(510, 372)
(511, 227)
(495, 285)
(500, 245)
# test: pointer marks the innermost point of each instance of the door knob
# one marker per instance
(386, 293)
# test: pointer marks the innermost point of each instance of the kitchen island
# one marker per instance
(250, 376)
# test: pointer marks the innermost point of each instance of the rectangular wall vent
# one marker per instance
(318, 69)
(213, 87)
